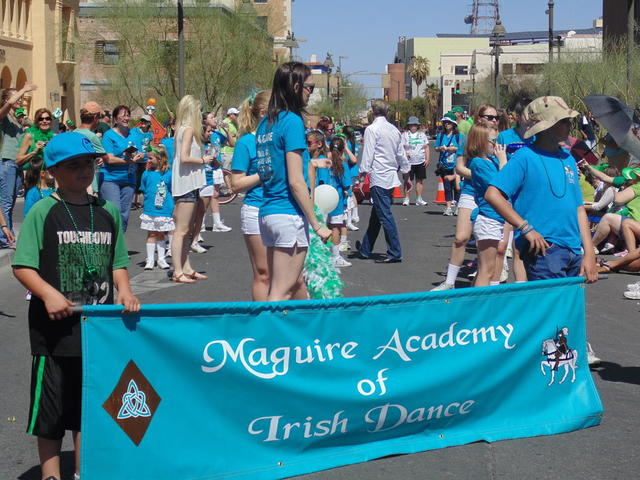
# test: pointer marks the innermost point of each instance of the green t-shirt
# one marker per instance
(634, 205)
(50, 244)
(464, 126)
(233, 130)
(95, 141)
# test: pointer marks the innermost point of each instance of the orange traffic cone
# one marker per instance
(397, 193)
(440, 193)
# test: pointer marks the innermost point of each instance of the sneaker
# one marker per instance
(341, 262)
(473, 274)
(607, 247)
(352, 227)
(355, 219)
(420, 202)
(632, 294)
(220, 227)
(200, 239)
(633, 286)
(448, 212)
(344, 247)
(443, 286)
(149, 265)
(591, 356)
(168, 252)
(76, 476)
(405, 202)
(162, 264)
(197, 248)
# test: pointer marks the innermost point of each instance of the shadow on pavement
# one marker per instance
(66, 465)
(614, 372)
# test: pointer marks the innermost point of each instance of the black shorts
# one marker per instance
(418, 172)
(56, 396)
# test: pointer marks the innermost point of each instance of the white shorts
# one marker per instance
(335, 220)
(486, 228)
(249, 220)
(206, 191)
(218, 177)
(467, 201)
(156, 224)
(286, 231)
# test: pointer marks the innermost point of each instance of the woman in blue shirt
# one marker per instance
(244, 177)
(447, 144)
(119, 170)
(282, 157)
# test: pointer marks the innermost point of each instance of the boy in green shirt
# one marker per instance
(71, 252)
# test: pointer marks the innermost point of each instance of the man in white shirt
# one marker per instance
(416, 145)
(383, 156)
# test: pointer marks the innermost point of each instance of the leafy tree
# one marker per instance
(419, 70)
(353, 102)
(227, 53)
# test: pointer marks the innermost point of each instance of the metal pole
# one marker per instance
(550, 12)
(181, 86)
(497, 71)
(630, 41)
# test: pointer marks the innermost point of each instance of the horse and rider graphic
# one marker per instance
(558, 355)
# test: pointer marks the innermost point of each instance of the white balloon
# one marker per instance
(326, 198)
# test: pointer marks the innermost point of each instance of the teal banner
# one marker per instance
(259, 390)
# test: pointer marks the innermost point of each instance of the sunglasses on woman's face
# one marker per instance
(491, 118)
(309, 86)
(44, 119)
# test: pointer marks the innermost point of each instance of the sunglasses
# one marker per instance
(44, 119)
(309, 86)
(491, 118)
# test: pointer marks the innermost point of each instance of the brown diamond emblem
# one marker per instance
(132, 403)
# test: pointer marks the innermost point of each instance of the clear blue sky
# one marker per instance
(367, 30)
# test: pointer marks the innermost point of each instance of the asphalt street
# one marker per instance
(609, 451)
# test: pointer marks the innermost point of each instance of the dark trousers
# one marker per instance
(381, 216)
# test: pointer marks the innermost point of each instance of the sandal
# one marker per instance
(182, 278)
(603, 266)
(196, 276)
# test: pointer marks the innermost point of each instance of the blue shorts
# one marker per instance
(559, 262)
(189, 197)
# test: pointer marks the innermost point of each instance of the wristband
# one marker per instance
(315, 230)
(522, 226)
(3, 226)
(527, 230)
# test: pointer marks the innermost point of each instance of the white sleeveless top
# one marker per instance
(186, 177)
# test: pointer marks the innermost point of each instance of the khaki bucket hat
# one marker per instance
(544, 112)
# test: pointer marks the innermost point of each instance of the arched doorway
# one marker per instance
(5, 78)
(21, 79)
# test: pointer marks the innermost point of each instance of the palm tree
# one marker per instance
(419, 70)
(432, 101)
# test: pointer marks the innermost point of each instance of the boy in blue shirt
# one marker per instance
(546, 209)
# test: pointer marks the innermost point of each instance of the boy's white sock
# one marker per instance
(354, 214)
(151, 250)
(343, 239)
(452, 274)
(162, 252)
(216, 218)
(335, 250)
(169, 241)
(493, 284)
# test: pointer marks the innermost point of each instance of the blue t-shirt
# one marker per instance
(341, 184)
(156, 186)
(116, 144)
(448, 159)
(168, 143)
(273, 141)
(513, 141)
(543, 188)
(141, 140)
(245, 159)
(466, 186)
(34, 195)
(483, 171)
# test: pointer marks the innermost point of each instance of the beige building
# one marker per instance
(38, 45)
(100, 46)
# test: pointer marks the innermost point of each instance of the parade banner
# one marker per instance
(259, 390)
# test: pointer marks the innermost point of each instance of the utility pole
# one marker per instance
(550, 13)
(181, 86)
(630, 41)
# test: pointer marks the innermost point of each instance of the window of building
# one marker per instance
(528, 68)
(107, 52)
(262, 22)
(461, 70)
(260, 1)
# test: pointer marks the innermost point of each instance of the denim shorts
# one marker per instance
(559, 262)
(189, 197)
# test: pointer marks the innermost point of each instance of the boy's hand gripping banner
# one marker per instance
(257, 390)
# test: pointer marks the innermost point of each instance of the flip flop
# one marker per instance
(182, 278)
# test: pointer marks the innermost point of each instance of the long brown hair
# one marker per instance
(336, 148)
(318, 136)
(477, 141)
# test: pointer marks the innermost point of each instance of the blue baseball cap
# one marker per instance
(67, 146)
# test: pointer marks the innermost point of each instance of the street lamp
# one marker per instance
(496, 35)
(339, 74)
(473, 72)
(290, 43)
(181, 87)
(328, 64)
(550, 13)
